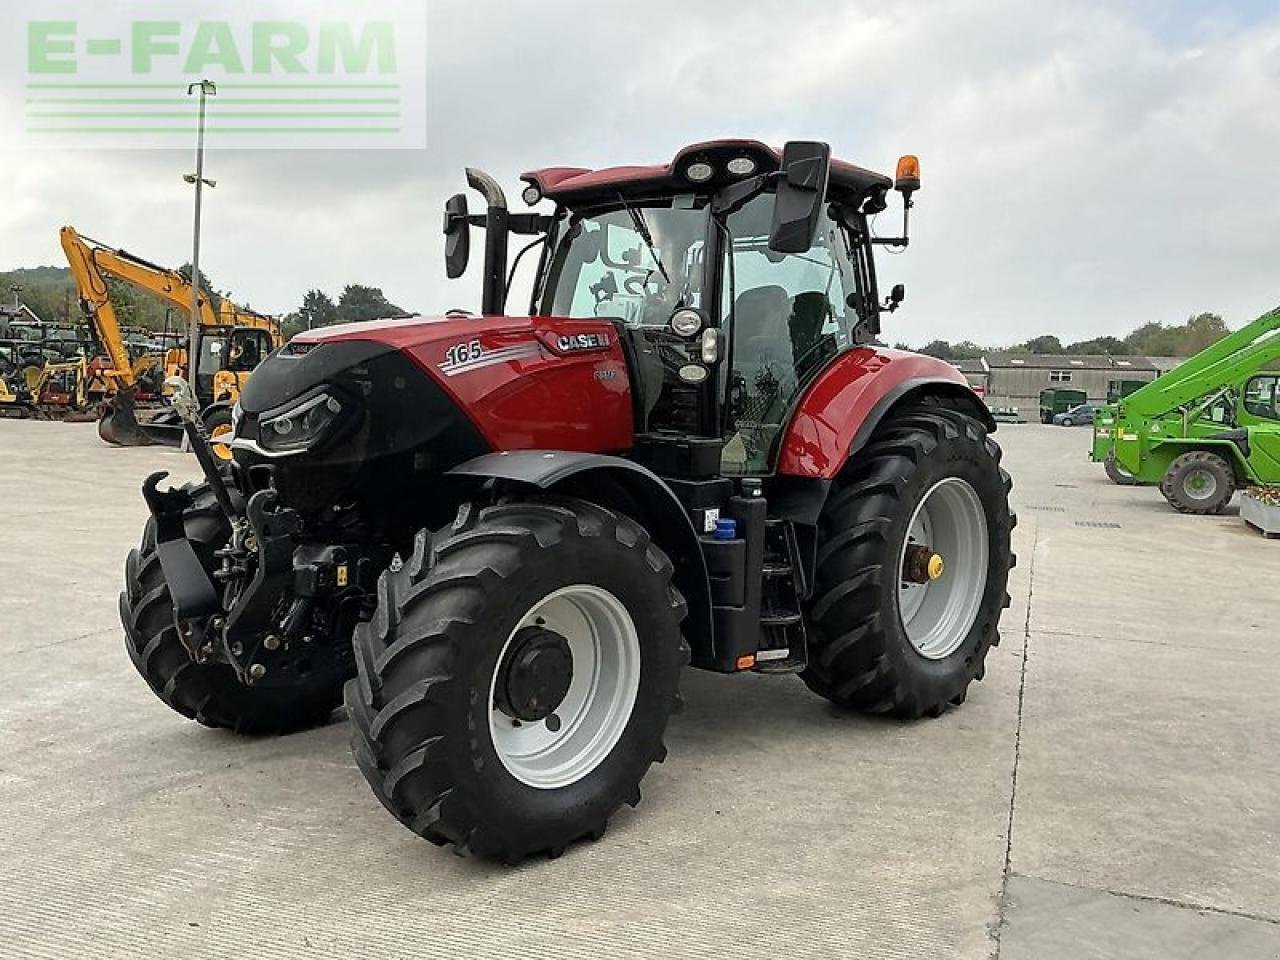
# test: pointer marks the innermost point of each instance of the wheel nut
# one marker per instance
(272, 642)
(257, 672)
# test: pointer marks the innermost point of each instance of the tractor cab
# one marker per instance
(733, 275)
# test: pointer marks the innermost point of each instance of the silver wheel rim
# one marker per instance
(937, 615)
(597, 706)
(1200, 484)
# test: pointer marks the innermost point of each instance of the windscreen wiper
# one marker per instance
(642, 228)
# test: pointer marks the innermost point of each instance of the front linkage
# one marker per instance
(267, 605)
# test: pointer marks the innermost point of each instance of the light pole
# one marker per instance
(207, 89)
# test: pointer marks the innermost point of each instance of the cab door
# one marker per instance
(786, 316)
(1260, 414)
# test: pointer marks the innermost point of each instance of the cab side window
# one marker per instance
(1262, 397)
(786, 316)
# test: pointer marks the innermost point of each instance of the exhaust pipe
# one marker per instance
(494, 283)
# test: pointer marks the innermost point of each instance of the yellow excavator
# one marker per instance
(233, 340)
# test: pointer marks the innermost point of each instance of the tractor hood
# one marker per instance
(513, 383)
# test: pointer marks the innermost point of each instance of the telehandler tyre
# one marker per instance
(516, 680)
(913, 563)
(1116, 473)
(209, 693)
(1199, 482)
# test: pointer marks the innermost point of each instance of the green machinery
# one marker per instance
(1117, 390)
(1056, 400)
(1205, 428)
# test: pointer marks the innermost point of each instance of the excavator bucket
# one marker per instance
(119, 424)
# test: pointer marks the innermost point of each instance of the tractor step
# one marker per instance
(779, 618)
(783, 645)
(778, 661)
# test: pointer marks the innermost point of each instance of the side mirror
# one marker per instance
(802, 187)
(896, 296)
(457, 232)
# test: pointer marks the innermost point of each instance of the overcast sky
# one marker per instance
(1087, 166)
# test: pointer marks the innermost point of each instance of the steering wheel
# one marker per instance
(637, 285)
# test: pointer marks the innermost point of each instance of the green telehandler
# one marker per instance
(1205, 428)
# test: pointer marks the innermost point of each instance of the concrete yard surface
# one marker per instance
(1109, 791)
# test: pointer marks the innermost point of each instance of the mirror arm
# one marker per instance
(732, 197)
(529, 224)
(902, 241)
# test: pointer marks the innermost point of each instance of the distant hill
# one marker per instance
(50, 293)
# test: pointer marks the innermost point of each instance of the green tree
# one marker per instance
(1111, 346)
(319, 309)
(1202, 330)
(968, 350)
(359, 302)
(207, 289)
(940, 349)
(1046, 343)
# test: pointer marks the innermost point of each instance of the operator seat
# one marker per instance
(760, 329)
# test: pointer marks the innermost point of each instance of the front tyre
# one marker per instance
(1116, 473)
(516, 681)
(1198, 482)
(209, 693)
(913, 563)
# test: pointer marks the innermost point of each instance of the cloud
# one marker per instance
(1086, 167)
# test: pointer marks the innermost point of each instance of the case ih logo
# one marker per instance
(582, 341)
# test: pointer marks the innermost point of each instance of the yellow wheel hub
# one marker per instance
(936, 566)
(219, 435)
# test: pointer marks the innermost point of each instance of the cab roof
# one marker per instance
(572, 186)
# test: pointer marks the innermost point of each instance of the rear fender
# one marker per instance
(628, 488)
(842, 408)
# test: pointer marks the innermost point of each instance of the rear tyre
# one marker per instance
(1118, 474)
(929, 484)
(1199, 482)
(208, 693)
(515, 683)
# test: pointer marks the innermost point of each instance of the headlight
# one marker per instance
(300, 427)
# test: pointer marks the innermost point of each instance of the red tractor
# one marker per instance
(507, 535)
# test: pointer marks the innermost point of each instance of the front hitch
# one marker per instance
(193, 593)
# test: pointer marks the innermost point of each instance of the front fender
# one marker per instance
(630, 489)
(841, 408)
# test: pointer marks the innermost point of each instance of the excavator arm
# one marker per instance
(93, 262)
(95, 301)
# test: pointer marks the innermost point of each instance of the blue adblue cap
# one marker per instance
(726, 528)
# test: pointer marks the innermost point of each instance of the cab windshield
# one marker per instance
(635, 263)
